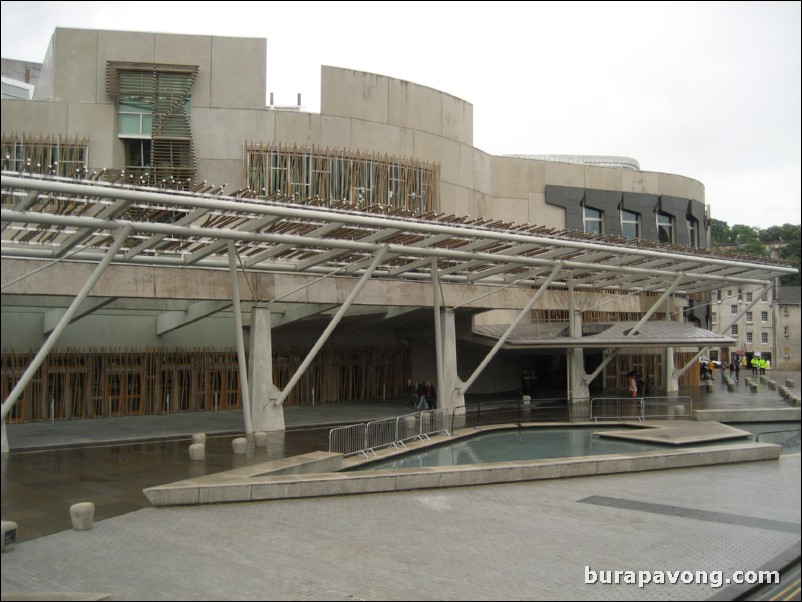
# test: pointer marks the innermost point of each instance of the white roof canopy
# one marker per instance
(56, 218)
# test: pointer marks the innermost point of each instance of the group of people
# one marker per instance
(422, 395)
(638, 387)
(759, 365)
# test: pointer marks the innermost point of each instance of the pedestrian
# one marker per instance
(410, 392)
(737, 369)
(633, 383)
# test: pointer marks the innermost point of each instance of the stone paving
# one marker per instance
(507, 541)
(522, 541)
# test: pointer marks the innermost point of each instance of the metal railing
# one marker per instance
(381, 433)
(368, 437)
(516, 411)
(789, 440)
(347, 440)
(640, 408)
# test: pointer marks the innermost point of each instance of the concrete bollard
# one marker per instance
(709, 385)
(82, 515)
(753, 388)
(772, 385)
(197, 452)
(199, 438)
(789, 382)
(8, 530)
(730, 386)
(260, 439)
(240, 445)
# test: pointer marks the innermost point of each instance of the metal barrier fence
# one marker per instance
(789, 440)
(364, 438)
(381, 433)
(676, 407)
(517, 411)
(433, 422)
(640, 408)
(407, 427)
(347, 440)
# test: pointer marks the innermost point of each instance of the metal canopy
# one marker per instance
(654, 333)
(57, 218)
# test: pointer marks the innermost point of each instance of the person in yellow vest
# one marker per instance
(755, 363)
(762, 364)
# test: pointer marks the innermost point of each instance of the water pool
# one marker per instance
(516, 444)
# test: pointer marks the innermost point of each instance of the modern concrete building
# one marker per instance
(168, 139)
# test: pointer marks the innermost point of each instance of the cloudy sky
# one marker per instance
(707, 90)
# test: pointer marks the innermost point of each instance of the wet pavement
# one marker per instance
(52, 466)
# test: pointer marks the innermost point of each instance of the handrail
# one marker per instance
(522, 411)
(790, 443)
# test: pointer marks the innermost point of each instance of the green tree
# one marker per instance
(720, 233)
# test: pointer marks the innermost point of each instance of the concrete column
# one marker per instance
(578, 387)
(669, 377)
(451, 390)
(266, 415)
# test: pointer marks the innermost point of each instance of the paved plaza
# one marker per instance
(527, 541)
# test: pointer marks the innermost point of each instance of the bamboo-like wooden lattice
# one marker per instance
(96, 383)
(52, 155)
(364, 179)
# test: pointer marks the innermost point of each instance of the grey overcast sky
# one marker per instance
(707, 90)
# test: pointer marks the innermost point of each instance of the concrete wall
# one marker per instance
(359, 111)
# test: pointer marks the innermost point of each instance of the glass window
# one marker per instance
(593, 221)
(787, 331)
(765, 297)
(748, 337)
(749, 317)
(137, 153)
(764, 316)
(748, 297)
(665, 228)
(630, 224)
(713, 317)
(764, 337)
(733, 309)
(734, 329)
(136, 118)
(693, 231)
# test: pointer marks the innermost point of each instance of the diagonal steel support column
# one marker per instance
(665, 296)
(588, 378)
(243, 365)
(120, 237)
(503, 339)
(437, 303)
(755, 298)
(332, 325)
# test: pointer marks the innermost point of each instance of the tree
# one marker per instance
(720, 233)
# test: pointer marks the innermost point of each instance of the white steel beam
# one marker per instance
(503, 339)
(53, 316)
(241, 361)
(330, 328)
(173, 320)
(119, 239)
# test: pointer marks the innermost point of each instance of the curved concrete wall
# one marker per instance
(359, 111)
